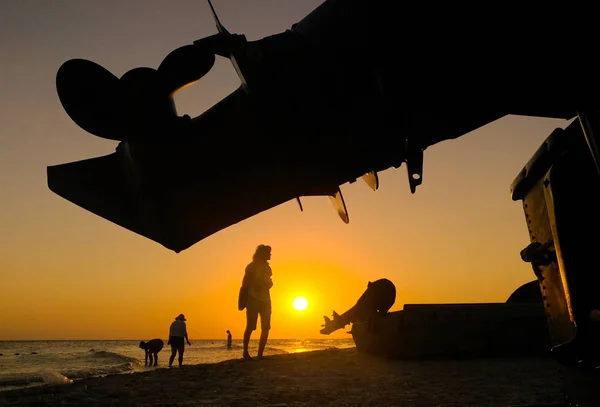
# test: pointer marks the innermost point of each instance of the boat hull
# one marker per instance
(435, 331)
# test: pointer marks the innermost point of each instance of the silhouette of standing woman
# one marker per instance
(257, 283)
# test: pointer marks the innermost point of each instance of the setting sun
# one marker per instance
(300, 303)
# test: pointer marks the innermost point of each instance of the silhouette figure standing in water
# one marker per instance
(177, 334)
(378, 298)
(228, 339)
(257, 298)
(152, 347)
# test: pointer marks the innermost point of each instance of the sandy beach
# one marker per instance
(322, 378)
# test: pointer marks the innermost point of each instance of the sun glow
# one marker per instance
(300, 303)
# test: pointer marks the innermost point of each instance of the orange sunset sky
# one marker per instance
(68, 274)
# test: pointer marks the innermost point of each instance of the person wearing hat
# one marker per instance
(177, 335)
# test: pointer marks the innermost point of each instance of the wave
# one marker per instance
(276, 351)
(102, 363)
(83, 366)
(20, 381)
(111, 356)
(211, 345)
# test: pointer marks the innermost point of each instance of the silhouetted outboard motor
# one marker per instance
(158, 182)
(345, 93)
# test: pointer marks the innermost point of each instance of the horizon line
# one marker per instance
(209, 339)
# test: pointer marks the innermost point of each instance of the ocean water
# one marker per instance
(24, 363)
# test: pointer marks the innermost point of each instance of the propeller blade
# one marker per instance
(148, 108)
(184, 66)
(372, 180)
(338, 203)
(299, 204)
(92, 97)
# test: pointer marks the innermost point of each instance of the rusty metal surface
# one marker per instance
(560, 319)
(561, 209)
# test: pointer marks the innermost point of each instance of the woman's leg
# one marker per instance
(173, 353)
(180, 360)
(251, 319)
(265, 326)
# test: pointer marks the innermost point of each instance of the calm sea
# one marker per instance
(26, 363)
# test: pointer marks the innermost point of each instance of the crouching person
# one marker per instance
(152, 347)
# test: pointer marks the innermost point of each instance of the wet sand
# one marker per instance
(323, 378)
